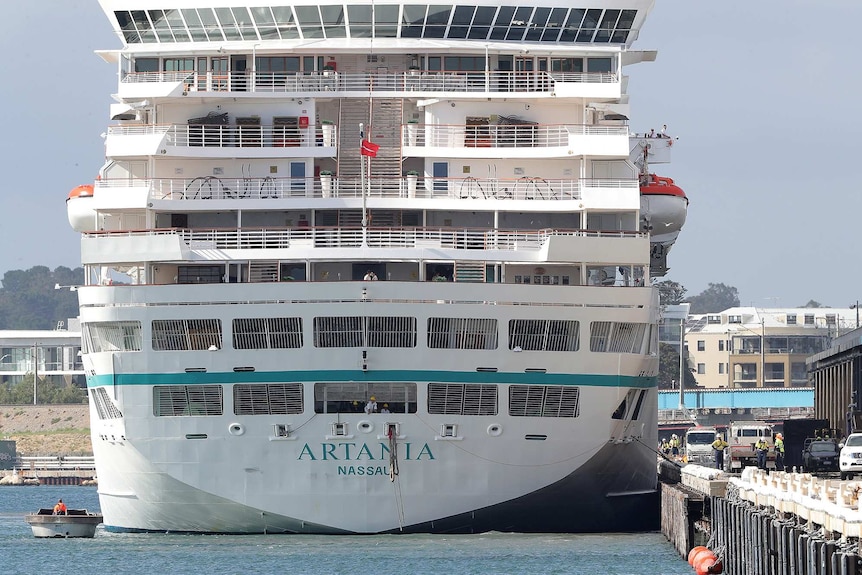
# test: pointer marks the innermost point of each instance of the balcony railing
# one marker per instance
(409, 81)
(234, 136)
(216, 188)
(502, 135)
(347, 237)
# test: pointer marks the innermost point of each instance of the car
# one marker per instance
(821, 455)
(850, 460)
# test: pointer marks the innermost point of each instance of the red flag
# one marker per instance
(369, 148)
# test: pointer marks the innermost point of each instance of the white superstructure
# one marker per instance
(455, 335)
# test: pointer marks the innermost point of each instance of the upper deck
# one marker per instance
(146, 22)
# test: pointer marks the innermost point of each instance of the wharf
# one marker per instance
(766, 523)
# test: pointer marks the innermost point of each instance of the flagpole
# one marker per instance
(362, 183)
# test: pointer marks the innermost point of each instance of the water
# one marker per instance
(491, 553)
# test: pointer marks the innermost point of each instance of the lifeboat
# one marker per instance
(79, 208)
(663, 210)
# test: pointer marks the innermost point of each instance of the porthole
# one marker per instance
(365, 426)
(495, 429)
(236, 429)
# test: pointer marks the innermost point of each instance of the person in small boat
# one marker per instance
(60, 508)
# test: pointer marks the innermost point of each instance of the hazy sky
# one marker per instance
(762, 95)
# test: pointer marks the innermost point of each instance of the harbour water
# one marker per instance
(491, 553)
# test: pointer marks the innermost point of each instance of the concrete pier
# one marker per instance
(761, 523)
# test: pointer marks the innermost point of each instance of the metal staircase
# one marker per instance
(382, 118)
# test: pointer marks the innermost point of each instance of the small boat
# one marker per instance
(75, 523)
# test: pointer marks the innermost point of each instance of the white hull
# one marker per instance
(240, 478)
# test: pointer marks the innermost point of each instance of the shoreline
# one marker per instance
(47, 430)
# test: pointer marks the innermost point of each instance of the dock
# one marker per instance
(50, 470)
(766, 523)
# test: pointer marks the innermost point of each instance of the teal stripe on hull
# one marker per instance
(197, 378)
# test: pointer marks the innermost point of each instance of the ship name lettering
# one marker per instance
(362, 470)
(348, 452)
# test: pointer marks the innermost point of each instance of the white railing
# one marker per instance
(219, 188)
(502, 135)
(234, 136)
(346, 237)
(408, 81)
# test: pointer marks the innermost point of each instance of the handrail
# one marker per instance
(346, 237)
(526, 135)
(233, 135)
(429, 81)
(223, 188)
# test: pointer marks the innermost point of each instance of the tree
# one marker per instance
(668, 369)
(715, 298)
(670, 293)
(47, 392)
(28, 299)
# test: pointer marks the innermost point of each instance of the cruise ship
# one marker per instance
(373, 267)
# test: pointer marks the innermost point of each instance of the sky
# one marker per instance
(762, 96)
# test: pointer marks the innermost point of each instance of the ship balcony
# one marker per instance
(426, 84)
(221, 141)
(509, 141)
(464, 244)
(138, 193)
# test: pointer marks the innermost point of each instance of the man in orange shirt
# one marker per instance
(60, 508)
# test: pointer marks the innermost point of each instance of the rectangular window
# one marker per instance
(701, 368)
(809, 319)
(186, 334)
(462, 333)
(713, 319)
(111, 336)
(543, 335)
(199, 274)
(701, 345)
(351, 397)
(187, 400)
(791, 319)
(721, 345)
(543, 401)
(462, 399)
(267, 399)
(372, 331)
(618, 337)
(721, 368)
(267, 333)
(734, 319)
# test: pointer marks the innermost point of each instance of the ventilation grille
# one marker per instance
(195, 400)
(105, 408)
(365, 332)
(543, 334)
(543, 401)
(462, 399)
(267, 333)
(186, 334)
(267, 399)
(462, 333)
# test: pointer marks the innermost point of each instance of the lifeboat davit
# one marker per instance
(79, 208)
(663, 210)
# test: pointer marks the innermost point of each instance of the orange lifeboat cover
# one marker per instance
(660, 186)
(82, 191)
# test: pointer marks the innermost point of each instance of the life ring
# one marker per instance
(365, 426)
(236, 429)
(495, 429)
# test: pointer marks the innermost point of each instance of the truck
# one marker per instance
(698, 445)
(741, 437)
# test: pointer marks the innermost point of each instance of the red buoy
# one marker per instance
(694, 551)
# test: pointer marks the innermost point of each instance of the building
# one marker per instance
(836, 374)
(748, 347)
(55, 355)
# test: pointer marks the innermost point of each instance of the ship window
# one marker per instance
(412, 20)
(360, 17)
(187, 400)
(462, 399)
(105, 408)
(462, 333)
(618, 337)
(267, 399)
(333, 20)
(386, 21)
(267, 333)
(438, 19)
(365, 331)
(575, 65)
(112, 336)
(599, 65)
(543, 335)
(199, 274)
(351, 397)
(543, 401)
(186, 334)
(309, 21)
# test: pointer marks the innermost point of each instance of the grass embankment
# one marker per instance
(47, 430)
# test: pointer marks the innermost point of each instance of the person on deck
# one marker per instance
(761, 448)
(718, 447)
(60, 508)
(779, 452)
(371, 406)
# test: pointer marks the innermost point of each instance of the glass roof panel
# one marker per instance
(265, 23)
(386, 21)
(285, 22)
(359, 16)
(142, 24)
(228, 24)
(309, 21)
(333, 20)
(130, 33)
(193, 22)
(245, 23)
(438, 19)
(210, 24)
